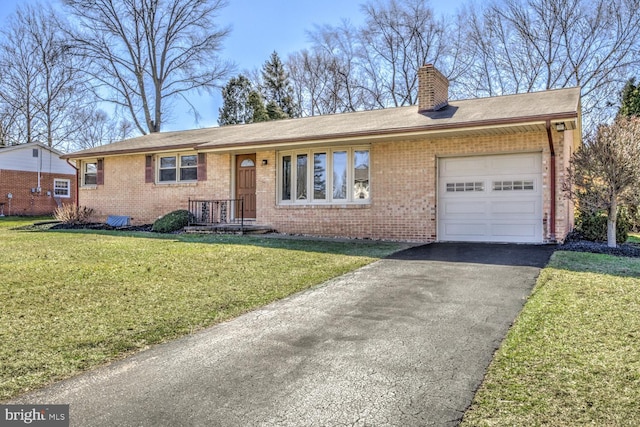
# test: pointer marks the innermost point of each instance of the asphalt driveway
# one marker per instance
(404, 341)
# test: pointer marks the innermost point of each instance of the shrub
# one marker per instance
(633, 212)
(72, 214)
(173, 221)
(593, 226)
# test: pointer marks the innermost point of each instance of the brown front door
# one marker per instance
(246, 183)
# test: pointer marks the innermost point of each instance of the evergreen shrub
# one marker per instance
(172, 222)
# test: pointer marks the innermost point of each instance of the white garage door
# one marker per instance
(490, 198)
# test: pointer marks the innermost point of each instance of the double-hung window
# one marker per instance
(178, 168)
(337, 175)
(90, 173)
(61, 187)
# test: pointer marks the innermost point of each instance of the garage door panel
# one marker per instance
(467, 209)
(465, 166)
(526, 232)
(509, 207)
(515, 164)
(491, 198)
(465, 229)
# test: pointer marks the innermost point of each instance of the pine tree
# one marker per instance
(256, 103)
(274, 112)
(277, 89)
(630, 99)
(235, 102)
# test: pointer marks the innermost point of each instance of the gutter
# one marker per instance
(552, 185)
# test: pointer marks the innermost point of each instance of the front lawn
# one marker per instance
(75, 300)
(634, 238)
(573, 355)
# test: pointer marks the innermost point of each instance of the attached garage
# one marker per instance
(490, 198)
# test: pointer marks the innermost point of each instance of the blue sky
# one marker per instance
(258, 28)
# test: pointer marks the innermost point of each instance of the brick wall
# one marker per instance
(26, 202)
(403, 188)
(125, 192)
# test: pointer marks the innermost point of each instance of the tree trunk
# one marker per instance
(611, 224)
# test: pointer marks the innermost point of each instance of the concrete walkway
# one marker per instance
(402, 342)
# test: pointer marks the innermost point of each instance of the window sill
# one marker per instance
(177, 184)
(325, 206)
(88, 187)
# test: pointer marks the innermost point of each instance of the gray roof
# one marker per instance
(28, 145)
(520, 109)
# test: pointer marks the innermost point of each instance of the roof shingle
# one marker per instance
(492, 111)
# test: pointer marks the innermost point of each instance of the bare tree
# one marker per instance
(20, 80)
(605, 172)
(145, 53)
(374, 65)
(398, 37)
(528, 45)
(103, 129)
(327, 77)
(42, 84)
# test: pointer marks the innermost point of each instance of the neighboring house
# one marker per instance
(486, 169)
(34, 180)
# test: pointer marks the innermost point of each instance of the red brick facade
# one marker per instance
(24, 201)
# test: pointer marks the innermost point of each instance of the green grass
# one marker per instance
(573, 355)
(75, 300)
(634, 238)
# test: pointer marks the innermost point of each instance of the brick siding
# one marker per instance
(403, 188)
(26, 202)
(125, 192)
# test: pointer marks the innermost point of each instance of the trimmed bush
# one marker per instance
(72, 214)
(172, 222)
(593, 226)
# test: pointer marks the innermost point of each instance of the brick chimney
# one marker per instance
(433, 89)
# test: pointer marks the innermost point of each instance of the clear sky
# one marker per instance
(258, 28)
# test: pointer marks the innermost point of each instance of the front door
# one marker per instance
(246, 183)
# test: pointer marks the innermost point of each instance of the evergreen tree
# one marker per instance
(277, 89)
(235, 102)
(274, 112)
(256, 103)
(630, 99)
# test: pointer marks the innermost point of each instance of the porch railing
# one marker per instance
(217, 212)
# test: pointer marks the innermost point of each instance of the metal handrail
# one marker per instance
(216, 212)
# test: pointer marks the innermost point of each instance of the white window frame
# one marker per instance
(84, 172)
(178, 168)
(68, 187)
(329, 198)
(514, 185)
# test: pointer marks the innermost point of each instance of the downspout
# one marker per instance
(39, 169)
(75, 185)
(552, 185)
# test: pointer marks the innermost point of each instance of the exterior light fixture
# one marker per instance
(560, 126)
(265, 162)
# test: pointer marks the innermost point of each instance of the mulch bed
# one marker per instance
(100, 226)
(574, 242)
